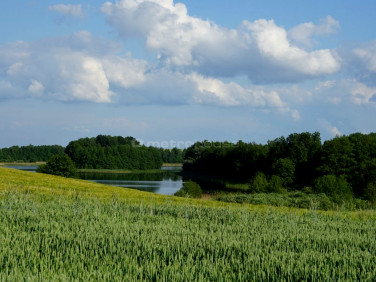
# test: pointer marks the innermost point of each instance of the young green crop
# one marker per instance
(53, 228)
(85, 239)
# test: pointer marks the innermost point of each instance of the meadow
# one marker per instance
(52, 228)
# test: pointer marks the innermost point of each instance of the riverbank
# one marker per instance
(21, 164)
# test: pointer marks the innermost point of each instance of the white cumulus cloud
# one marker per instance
(260, 49)
(273, 44)
(70, 69)
(303, 33)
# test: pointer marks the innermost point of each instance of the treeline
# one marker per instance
(99, 152)
(108, 152)
(341, 168)
(29, 153)
(172, 156)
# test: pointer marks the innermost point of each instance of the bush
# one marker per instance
(370, 192)
(285, 169)
(60, 165)
(289, 199)
(190, 189)
(275, 185)
(259, 184)
(335, 187)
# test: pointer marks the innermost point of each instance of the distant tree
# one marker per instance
(60, 165)
(108, 152)
(30, 153)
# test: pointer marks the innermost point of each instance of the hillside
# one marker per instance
(54, 228)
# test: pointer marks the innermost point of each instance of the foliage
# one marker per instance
(29, 153)
(108, 152)
(334, 186)
(296, 199)
(300, 160)
(285, 169)
(370, 192)
(172, 156)
(190, 189)
(275, 185)
(60, 165)
(259, 184)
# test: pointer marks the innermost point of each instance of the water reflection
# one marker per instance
(166, 182)
(23, 167)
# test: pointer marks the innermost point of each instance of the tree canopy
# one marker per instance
(29, 153)
(113, 152)
(60, 165)
(344, 165)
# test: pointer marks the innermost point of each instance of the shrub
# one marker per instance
(259, 183)
(335, 187)
(60, 165)
(275, 185)
(370, 192)
(190, 189)
(285, 169)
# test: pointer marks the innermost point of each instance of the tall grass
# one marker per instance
(69, 230)
(85, 239)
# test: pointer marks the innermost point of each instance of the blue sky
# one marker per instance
(172, 73)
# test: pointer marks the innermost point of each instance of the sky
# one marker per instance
(171, 73)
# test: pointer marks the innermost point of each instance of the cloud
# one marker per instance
(260, 49)
(362, 94)
(302, 34)
(36, 87)
(75, 11)
(273, 44)
(361, 62)
(64, 69)
(70, 69)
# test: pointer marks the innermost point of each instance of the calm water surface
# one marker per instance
(166, 182)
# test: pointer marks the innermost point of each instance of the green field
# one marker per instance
(53, 228)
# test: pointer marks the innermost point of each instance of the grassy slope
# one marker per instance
(59, 230)
(50, 186)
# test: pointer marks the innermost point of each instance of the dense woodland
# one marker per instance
(342, 167)
(172, 156)
(44, 153)
(29, 153)
(108, 152)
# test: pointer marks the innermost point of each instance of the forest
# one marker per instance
(113, 152)
(30, 153)
(342, 167)
(79, 150)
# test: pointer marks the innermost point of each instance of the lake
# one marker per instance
(166, 182)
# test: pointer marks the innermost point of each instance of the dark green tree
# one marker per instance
(334, 186)
(60, 165)
(285, 169)
(275, 185)
(259, 183)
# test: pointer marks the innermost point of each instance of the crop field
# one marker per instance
(53, 228)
